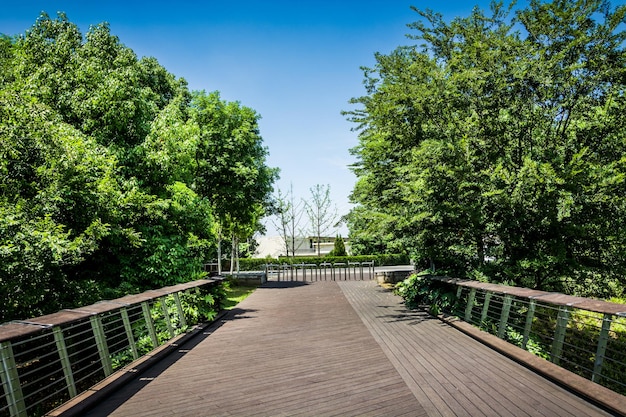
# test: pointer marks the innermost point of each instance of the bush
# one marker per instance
(419, 289)
(339, 249)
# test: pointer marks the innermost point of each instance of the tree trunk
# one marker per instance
(232, 253)
(219, 250)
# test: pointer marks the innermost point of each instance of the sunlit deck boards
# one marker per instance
(339, 349)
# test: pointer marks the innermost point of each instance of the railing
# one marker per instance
(48, 360)
(582, 335)
(324, 271)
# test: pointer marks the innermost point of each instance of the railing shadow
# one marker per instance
(399, 313)
(283, 284)
(113, 400)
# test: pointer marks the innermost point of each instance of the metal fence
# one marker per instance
(325, 271)
(582, 335)
(48, 360)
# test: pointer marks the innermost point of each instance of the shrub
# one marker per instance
(419, 289)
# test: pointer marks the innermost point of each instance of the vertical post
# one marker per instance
(459, 291)
(485, 310)
(11, 381)
(101, 343)
(66, 365)
(470, 305)
(603, 340)
(166, 316)
(530, 314)
(559, 334)
(129, 333)
(150, 324)
(179, 307)
(504, 315)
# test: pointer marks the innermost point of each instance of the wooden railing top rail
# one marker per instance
(597, 306)
(20, 328)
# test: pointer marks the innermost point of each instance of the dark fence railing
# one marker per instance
(325, 271)
(48, 360)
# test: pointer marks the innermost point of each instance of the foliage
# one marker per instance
(533, 346)
(114, 177)
(231, 170)
(419, 289)
(339, 249)
(495, 144)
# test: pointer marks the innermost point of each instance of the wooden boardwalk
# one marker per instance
(344, 348)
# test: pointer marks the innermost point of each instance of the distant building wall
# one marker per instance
(274, 246)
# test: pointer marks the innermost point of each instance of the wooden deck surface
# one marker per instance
(344, 348)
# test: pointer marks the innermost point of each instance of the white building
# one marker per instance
(274, 246)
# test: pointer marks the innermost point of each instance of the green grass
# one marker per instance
(235, 294)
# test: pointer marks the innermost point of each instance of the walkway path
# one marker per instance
(337, 349)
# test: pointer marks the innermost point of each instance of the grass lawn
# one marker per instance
(235, 294)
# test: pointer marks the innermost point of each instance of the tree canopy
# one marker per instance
(114, 177)
(494, 146)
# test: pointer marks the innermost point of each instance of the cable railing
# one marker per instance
(50, 359)
(582, 335)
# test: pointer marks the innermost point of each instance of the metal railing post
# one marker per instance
(485, 310)
(101, 344)
(559, 334)
(504, 315)
(603, 340)
(530, 314)
(150, 324)
(66, 365)
(129, 333)
(470, 305)
(166, 316)
(11, 381)
(179, 307)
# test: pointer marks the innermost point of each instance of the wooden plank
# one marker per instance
(339, 348)
(287, 350)
(450, 361)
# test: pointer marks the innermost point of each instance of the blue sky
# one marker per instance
(296, 63)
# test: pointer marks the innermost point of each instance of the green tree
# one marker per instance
(494, 145)
(55, 187)
(111, 180)
(231, 170)
(339, 249)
